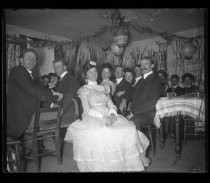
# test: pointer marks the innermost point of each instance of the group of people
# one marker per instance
(188, 87)
(116, 105)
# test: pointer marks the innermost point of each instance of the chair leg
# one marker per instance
(18, 158)
(185, 131)
(35, 153)
(58, 149)
(12, 160)
(151, 138)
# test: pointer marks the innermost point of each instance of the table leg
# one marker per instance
(161, 134)
(177, 136)
(171, 131)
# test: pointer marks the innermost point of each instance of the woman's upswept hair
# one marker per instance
(87, 66)
(189, 75)
(104, 66)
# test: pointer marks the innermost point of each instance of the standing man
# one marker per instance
(146, 94)
(68, 85)
(22, 95)
(123, 91)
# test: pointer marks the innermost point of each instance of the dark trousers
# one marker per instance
(143, 120)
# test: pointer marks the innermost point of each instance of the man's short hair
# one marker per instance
(28, 50)
(137, 66)
(116, 66)
(148, 58)
(59, 60)
(161, 72)
(175, 76)
(128, 70)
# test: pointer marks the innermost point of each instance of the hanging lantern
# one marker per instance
(121, 40)
(188, 50)
(121, 36)
(117, 50)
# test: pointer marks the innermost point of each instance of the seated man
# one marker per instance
(188, 87)
(162, 75)
(175, 88)
(123, 91)
(22, 95)
(68, 85)
(145, 96)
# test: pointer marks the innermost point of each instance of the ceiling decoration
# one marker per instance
(120, 21)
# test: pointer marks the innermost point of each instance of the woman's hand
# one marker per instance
(109, 120)
(120, 93)
(113, 117)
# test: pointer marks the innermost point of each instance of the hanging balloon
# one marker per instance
(188, 50)
(117, 50)
(121, 40)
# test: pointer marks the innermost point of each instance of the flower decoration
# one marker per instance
(92, 63)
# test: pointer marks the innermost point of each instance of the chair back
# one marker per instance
(78, 107)
(46, 115)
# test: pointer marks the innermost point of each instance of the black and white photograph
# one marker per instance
(115, 90)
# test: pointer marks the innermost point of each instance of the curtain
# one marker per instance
(12, 55)
(177, 64)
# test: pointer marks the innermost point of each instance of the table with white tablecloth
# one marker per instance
(177, 106)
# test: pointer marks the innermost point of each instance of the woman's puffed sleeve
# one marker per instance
(82, 93)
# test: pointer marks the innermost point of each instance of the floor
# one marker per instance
(192, 159)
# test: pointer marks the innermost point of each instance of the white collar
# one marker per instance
(174, 86)
(137, 78)
(119, 80)
(91, 83)
(147, 74)
(62, 75)
(30, 72)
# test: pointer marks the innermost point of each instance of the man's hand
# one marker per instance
(129, 116)
(122, 106)
(54, 105)
(120, 93)
(60, 95)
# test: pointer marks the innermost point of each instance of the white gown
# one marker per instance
(101, 148)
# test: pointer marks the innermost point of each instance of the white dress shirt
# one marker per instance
(119, 80)
(62, 75)
(30, 72)
(137, 79)
(147, 74)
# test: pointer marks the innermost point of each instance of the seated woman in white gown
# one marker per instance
(104, 140)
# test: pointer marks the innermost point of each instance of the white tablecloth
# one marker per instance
(193, 107)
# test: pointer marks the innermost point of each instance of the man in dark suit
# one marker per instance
(146, 94)
(68, 85)
(22, 95)
(123, 91)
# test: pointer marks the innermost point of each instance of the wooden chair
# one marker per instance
(45, 127)
(13, 155)
(194, 127)
(149, 130)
